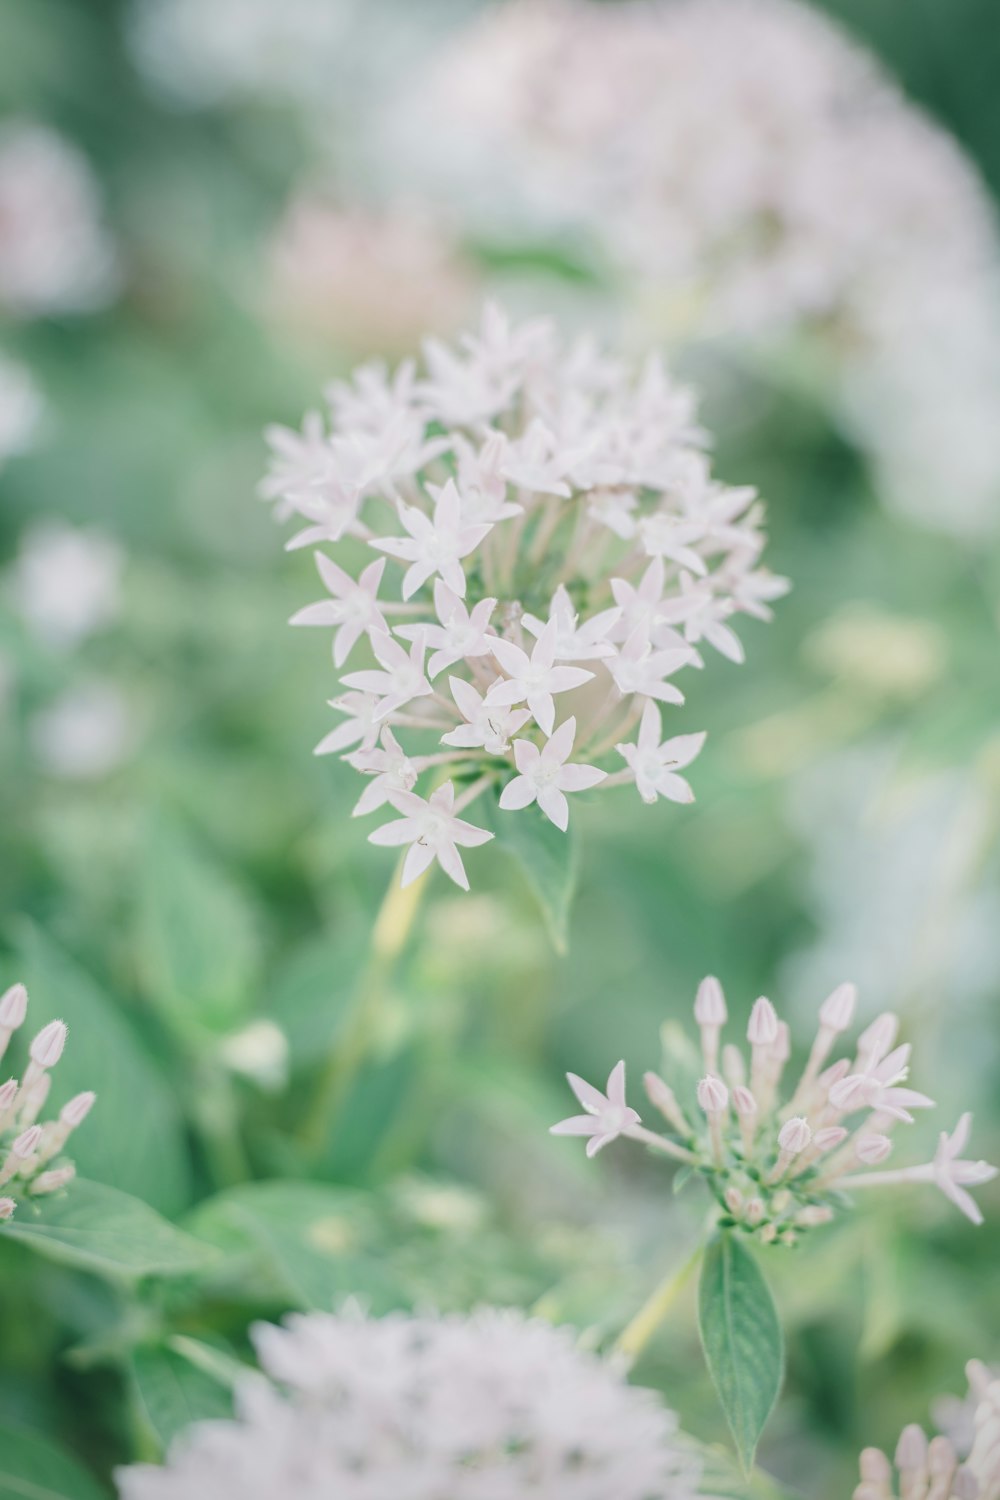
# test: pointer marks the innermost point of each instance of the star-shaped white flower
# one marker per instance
(401, 679)
(487, 727)
(575, 642)
(359, 728)
(391, 770)
(641, 606)
(533, 462)
(461, 634)
(436, 544)
(298, 461)
(655, 764)
(639, 669)
(953, 1176)
(545, 777)
(433, 832)
(481, 480)
(608, 1116)
(703, 614)
(534, 679)
(665, 534)
(354, 608)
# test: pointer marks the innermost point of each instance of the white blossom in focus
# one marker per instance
(442, 1408)
(493, 479)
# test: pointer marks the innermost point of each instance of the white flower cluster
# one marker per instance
(749, 167)
(55, 254)
(778, 1166)
(939, 1469)
(28, 1151)
(556, 549)
(494, 1406)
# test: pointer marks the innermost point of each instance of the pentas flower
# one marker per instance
(494, 1405)
(780, 1161)
(551, 551)
(31, 1155)
(942, 1469)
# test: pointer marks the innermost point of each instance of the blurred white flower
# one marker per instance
(942, 1469)
(28, 1151)
(21, 409)
(66, 582)
(259, 1052)
(779, 1165)
(55, 255)
(748, 166)
(512, 578)
(438, 1408)
(85, 733)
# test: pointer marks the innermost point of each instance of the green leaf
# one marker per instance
(199, 945)
(173, 1392)
(741, 1336)
(133, 1136)
(548, 858)
(34, 1468)
(101, 1229)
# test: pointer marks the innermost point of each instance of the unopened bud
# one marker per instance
(871, 1149)
(13, 1007)
(837, 1010)
(875, 1467)
(754, 1210)
(780, 1201)
(876, 1039)
(77, 1109)
(795, 1135)
(7, 1207)
(734, 1201)
(47, 1048)
(27, 1142)
(767, 1234)
(663, 1098)
(911, 1450)
(763, 1027)
(814, 1214)
(829, 1137)
(8, 1093)
(834, 1073)
(52, 1182)
(851, 1093)
(710, 1003)
(941, 1457)
(744, 1102)
(713, 1096)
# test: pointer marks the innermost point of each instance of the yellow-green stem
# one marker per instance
(636, 1335)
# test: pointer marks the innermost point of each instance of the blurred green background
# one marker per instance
(177, 869)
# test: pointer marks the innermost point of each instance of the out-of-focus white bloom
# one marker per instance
(28, 1151)
(513, 579)
(368, 280)
(55, 255)
(21, 409)
(942, 1469)
(85, 733)
(748, 166)
(455, 1408)
(259, 1052)
(779, 1166)
(66, 582)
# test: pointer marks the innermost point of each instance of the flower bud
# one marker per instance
(837, 1010)
(795, 1135)
(911, 1450)
(47, 1048)
(713, 1096)
(876, 1040)
(27, 1142)
(767, 1234)
(875, 1467)
(851, 1093)
(780, 1201)
(51, 1182)
(754, 1211)
(872, 1149)
(13, 1007)
(77, 1109)
(734, 1201)
(829, 1137)
(814, 1214)
(834, 1073)
(7, 1207)
(8, 1093)
(710, 1003)
(763, 1027)
(941, 1457)
(744, 1102)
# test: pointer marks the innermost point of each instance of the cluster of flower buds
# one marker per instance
(551, 550)
(29, 1151)
(779, 1164)
(942, 1469)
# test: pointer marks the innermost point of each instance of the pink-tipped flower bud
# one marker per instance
(834, 1073)
(8, 1093)
(911, 1450)
(875, 1467)
(27, 1142)
(755, 1210)
(795, 1135)
(876, 1039)
(814, 1214)
(942, 1460)
(713, 1096)
(744, 1102)
(77, 1109)
(13, 1007)
(7, 1207)
(734, 1201)
(837, 1010)
(52, 1182)
(763, 1027)
(872, 1149)
(47, 1048)
(710, 1003)
(830, 1137)
(851, 1093)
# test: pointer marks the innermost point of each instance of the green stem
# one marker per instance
(389, 935)
(636, 1335)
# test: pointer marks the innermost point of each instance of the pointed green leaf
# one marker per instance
(33, 1467)
(173, 1392)
(741, 1336)
(548, 858)
(101, 1229)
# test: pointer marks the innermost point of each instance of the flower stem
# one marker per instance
(393, 926)
(636, 1335)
